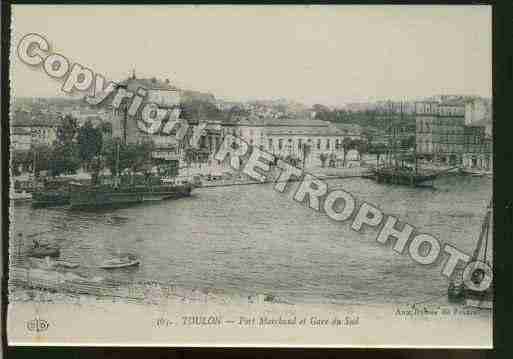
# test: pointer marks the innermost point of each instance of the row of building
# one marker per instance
(444, 131)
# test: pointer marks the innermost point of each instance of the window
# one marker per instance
(327, 143)
(337, 144)
(319, 144)
(300, 144)
(270, 144)
(280, 144)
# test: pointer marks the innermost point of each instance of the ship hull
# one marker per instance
(107, 198)
(401, 177)
(50, 198)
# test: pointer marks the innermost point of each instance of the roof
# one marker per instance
(93, 119)
(21, 131)
(27, 119)
(281, 122)
(304, 131)
(349, 127)
(133, 84)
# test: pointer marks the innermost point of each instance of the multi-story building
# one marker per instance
(167, 147)
(478, 112)
(21, 139)
(126, 127)
(443, 135)
(289, 137)
(440, 131)
(477, 148)
(41, 127)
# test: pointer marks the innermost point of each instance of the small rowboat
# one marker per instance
(128, 261)
(49, 263)
(64, 264)
(44, 251)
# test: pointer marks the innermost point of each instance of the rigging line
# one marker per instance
(267, 182)
(486, 238)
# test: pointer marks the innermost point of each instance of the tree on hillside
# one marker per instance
(105, 128)
(322, 112)
(67, 130)
(90, 141)
(236, 111)
(135, 157)
(64, 154)
(194, 109)
(64, 160)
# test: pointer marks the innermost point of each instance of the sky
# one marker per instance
(311, 54)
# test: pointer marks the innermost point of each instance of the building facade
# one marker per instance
(444, 135)
(296, 138)
(440, 132)
(478, 151)
(31, 129)
(127, 128)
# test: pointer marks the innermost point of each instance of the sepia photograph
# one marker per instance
(251, 176)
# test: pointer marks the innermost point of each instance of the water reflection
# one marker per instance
(251, 239)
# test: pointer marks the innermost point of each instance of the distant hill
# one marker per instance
(190, 95)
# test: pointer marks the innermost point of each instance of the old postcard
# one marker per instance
(251, 176)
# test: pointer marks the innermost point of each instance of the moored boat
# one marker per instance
(476, 288)
(106, 195)
(55, 192)
(50, 198)
(402, 176)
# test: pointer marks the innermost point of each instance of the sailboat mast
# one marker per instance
(484, 234)
(117, 159)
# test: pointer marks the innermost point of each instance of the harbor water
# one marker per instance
(245, 240)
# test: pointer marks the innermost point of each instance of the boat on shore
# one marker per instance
(43, 251)
(122, 262)
(49, 263)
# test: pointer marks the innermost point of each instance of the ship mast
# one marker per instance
(483, 236)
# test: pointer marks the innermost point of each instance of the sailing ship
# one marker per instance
(464, 291)
(54, 193)
(125, 190)
(401, 163)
